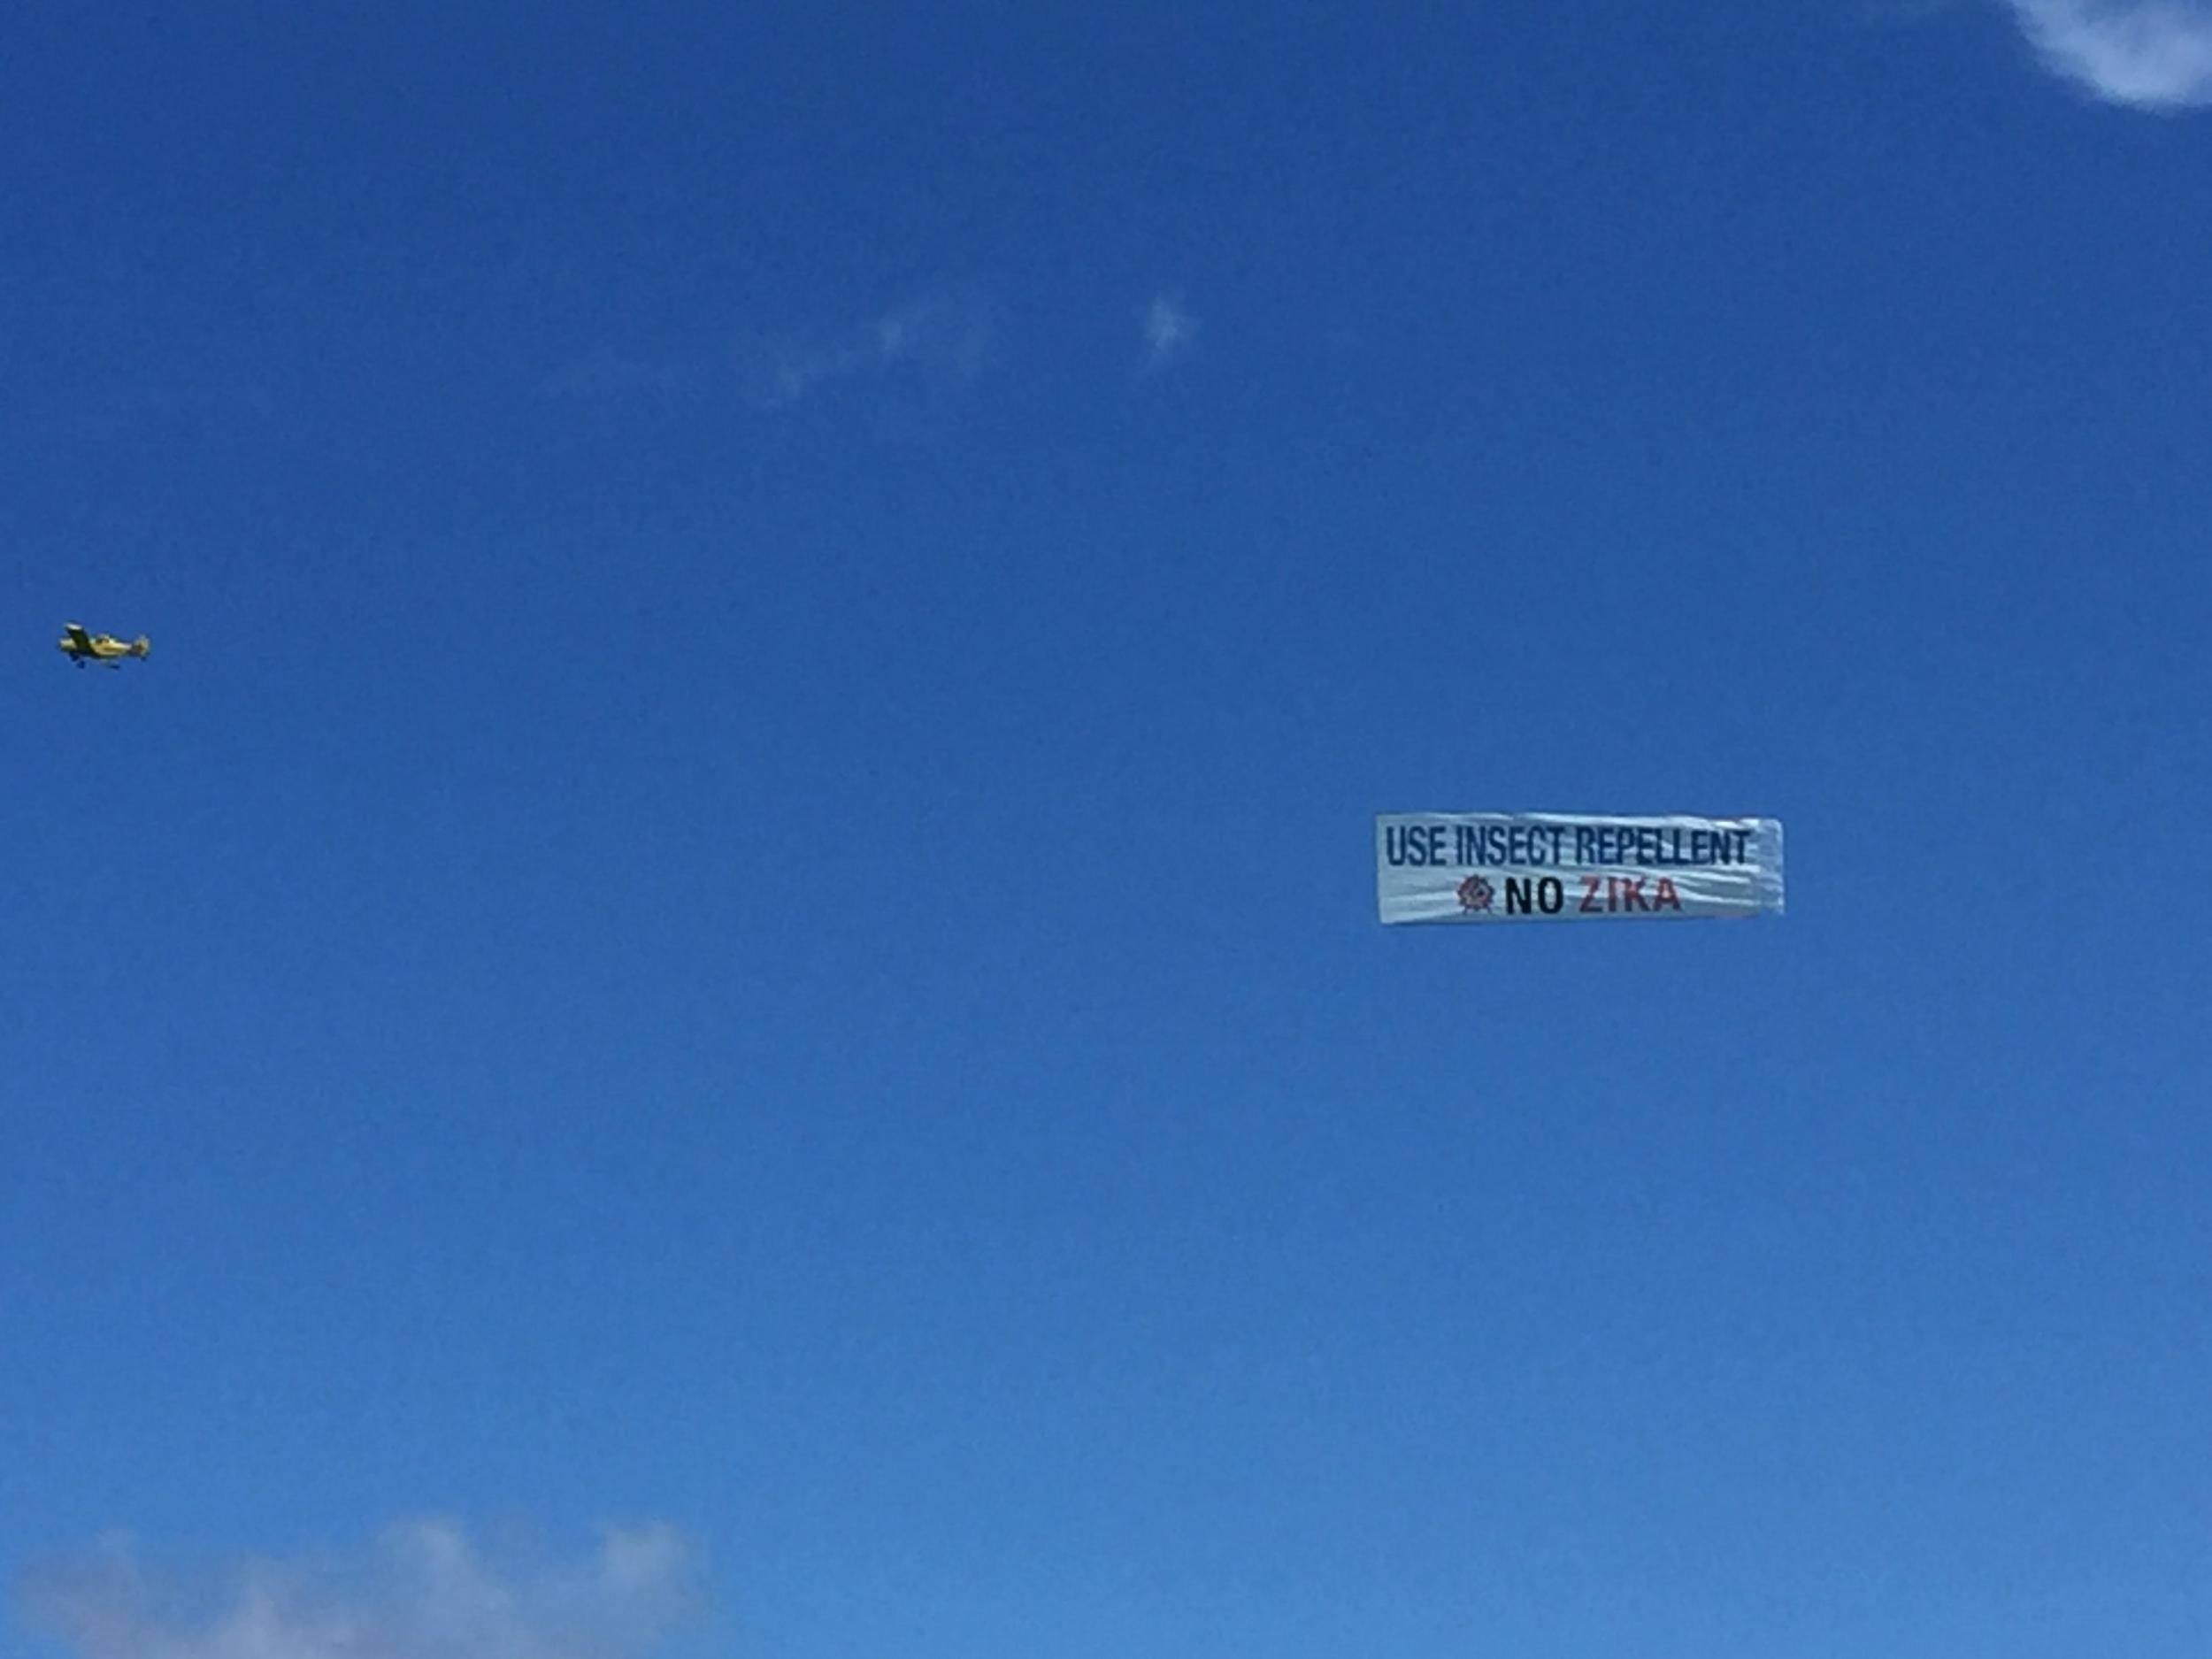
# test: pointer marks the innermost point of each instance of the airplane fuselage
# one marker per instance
(104, 648)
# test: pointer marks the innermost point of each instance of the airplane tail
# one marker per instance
(142, 646)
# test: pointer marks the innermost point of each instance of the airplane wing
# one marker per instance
(78, 637)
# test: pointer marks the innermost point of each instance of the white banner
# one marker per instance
(1561, 867)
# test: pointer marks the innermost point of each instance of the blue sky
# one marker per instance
(718, 994)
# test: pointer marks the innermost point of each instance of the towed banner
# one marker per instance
(1557, 867)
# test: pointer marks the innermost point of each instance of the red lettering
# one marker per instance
(1589, 894)
(1633, 894)
(1667, 899)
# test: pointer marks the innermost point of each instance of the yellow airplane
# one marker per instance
(104, 648)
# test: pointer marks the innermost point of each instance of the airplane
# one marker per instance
(104, 648)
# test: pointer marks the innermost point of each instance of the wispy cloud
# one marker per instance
(2145, 53)
(1169, 330)
(425, 1592)
(940, 337)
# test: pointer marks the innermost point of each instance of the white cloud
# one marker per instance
(938, 337)
(2146, 54)
(792, 370)
(424, 1593)
(1168, 331)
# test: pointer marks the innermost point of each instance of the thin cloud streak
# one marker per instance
(424, 1593)
(1169, 331)
(2151, 55)
(939, 337)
